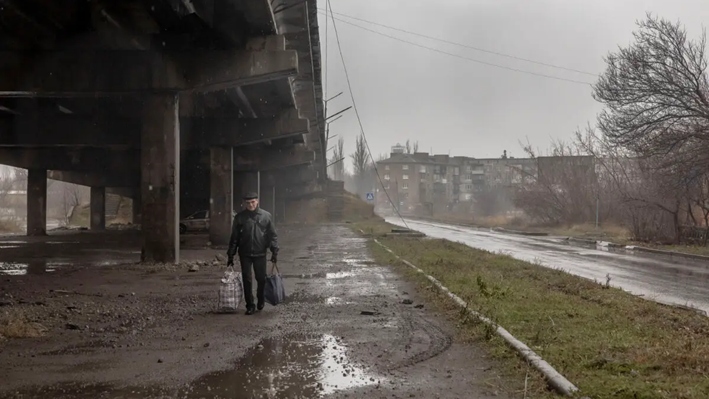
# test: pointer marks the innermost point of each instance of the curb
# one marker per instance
(672, 254)
(521, 233)
(553, 377)
(496, 229)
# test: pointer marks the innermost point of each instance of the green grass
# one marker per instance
(609, 343)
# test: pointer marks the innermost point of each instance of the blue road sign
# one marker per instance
(370, 196)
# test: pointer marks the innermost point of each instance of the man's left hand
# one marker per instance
(274, 257)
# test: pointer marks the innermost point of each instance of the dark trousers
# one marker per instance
(259, 267)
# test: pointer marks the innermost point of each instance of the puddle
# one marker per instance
(305, 276)
(31, 267)
(336, 300)
(13, 268)
(292, 366)
(358, 262)
(333, 275)
(338, 275)
(9, 246)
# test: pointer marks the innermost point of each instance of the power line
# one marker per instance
(359, 120)
(461, 56)
(469, 46)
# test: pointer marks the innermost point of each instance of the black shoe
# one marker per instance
(260, 307)
(250, 311)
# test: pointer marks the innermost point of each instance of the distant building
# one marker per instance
(421, 182)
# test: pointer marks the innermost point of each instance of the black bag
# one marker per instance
(274, 292)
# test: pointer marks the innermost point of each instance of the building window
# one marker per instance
(405, 186)
(405, 167)
(405, 177)
(423, 169)
(386, 176)
(386, 167)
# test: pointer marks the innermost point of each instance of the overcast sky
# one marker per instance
(456, 106)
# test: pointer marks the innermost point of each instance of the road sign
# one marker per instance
(370, 196)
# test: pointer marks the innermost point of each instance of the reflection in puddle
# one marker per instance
(286, 367)
(336, 300)
(9, 246)
(339, 275)
(13, 269)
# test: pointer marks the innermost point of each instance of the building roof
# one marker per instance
(419, 158)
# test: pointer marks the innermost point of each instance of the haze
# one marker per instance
(456, 106)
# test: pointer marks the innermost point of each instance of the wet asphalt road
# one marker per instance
(671, 281)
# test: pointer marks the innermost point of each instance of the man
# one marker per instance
(252, 233)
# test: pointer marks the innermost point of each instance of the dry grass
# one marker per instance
(14, 324)
(611, 344)
(610, 232)
(10, 226)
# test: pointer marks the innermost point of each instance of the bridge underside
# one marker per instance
(180, 104)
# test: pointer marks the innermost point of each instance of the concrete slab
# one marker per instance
(150, 331)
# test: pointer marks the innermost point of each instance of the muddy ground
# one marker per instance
(350, 328)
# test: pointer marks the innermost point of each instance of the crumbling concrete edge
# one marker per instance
(554, 378)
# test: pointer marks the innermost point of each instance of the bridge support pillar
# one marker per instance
(36, 202)
(221, 200)
(137, 208)
(244, 182)
(98, 208)
(160, 178)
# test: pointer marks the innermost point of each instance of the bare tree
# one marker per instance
(416, 146)
(647, 198)
(407, 146)
(72, 197)
(360, 162)
(656, 95)
(564, 188)
(337, 168)
(7, 183)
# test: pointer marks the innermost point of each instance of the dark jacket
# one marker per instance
(252, 233)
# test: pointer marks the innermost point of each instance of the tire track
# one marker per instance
(438, 341)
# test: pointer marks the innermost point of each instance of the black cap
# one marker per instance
(250, 195)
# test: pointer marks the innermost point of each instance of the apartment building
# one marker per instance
(421, 181)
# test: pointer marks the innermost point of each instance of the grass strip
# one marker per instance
(610, 343)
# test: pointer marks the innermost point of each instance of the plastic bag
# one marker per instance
(231, 291)
(274, 292)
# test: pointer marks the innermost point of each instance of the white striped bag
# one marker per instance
(231, 291)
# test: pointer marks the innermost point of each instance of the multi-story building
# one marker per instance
(425, 182)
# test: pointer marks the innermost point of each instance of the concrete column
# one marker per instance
(137, 208)
(266, 198)
(221, 201)
(37, 202)
(160, 178)
(243, 183)
(98, 208)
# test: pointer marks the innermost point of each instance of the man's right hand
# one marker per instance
(230, 262)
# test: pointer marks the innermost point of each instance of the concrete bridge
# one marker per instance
(181, 105)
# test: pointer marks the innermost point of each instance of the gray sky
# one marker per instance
(457, 106)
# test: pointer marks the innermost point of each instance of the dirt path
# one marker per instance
(124, 332)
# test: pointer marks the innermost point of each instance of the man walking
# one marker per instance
(252, 233)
